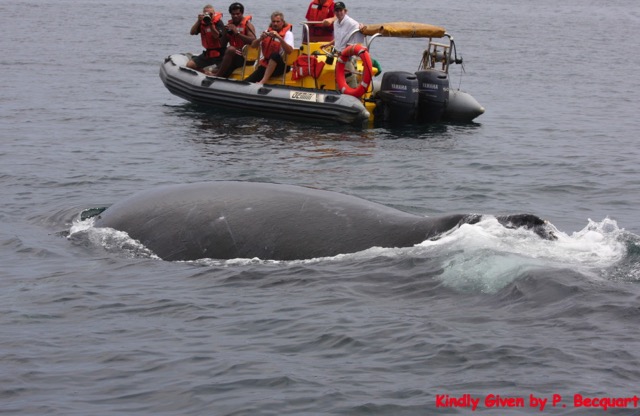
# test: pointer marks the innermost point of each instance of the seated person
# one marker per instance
(240, 32)
(318, 11)
(275, 42)
(211, 30)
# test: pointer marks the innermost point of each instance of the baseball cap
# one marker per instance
(339, 5)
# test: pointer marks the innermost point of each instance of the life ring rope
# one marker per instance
(363, 53)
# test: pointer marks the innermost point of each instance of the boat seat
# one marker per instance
(250, 55)
(289, 60)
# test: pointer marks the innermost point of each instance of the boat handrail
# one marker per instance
(370, 40)
(249, 53)
(353, 33)
(306, 34)
(289, 60)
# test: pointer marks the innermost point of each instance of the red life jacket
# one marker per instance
(306, 65)
(234, 39)
(316, 13)
(270, 45)
(213, 46)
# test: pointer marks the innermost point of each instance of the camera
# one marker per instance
(230, 32)
(206, 19)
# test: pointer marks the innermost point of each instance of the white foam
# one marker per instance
(487, 256)
(484, 256)
(109, 239)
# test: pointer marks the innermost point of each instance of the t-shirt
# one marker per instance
(342, 30)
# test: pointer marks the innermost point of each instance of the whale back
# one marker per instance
(226, 220)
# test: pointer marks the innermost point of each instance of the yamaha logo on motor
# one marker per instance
(430, 86)
(399, 87)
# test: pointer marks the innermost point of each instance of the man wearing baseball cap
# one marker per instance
(343, 27)
(343, 34)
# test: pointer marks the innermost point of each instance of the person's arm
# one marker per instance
(218, 31)
(249, 34)
(328, 21)
(256, 42)
(195, 29)
(333, 42)
(287, 43)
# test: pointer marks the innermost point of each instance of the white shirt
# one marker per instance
(342, 30)
(288, 38)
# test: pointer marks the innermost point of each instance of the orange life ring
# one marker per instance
(367, 75)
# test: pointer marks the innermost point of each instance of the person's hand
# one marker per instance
(328, 21)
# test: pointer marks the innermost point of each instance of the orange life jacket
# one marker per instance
(234, 39)
(270, 45)
(315, 13)
(212, 45)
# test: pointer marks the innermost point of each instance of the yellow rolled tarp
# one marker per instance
(404, 30)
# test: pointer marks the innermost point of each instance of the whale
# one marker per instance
(268, 221)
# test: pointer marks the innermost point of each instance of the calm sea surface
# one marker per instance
(92, 324)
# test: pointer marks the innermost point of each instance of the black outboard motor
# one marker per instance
(397, 100)
(433, 96)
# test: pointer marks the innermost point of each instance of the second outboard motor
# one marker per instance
(397, 99)
(434, 95)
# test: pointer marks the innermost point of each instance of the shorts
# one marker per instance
(237, 62)
(259, 72)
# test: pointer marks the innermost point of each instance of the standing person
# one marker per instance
(240, 32)
(211, 30)
(318, 11)
(343, 34)
(343, 27)
(274, 42)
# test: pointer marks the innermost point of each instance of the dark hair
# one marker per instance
(235, 6)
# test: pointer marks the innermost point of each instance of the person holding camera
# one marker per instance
(212, 33)
(240, 32)
(274, 43)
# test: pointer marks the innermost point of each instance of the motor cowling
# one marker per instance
(433, 95)
(397, 99)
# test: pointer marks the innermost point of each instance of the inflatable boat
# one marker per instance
(318, 86)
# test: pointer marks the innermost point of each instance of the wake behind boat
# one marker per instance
(317, 87)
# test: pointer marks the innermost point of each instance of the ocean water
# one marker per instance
(92, 323)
